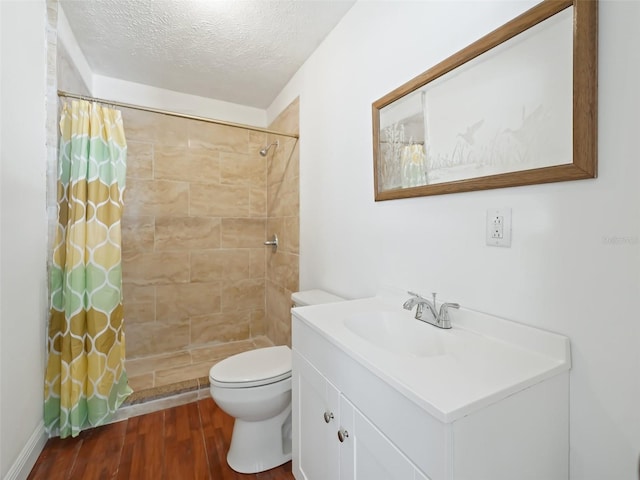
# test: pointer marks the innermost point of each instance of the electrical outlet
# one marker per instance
(499, 227)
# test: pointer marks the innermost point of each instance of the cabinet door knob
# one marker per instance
(328, 416)
(342, 434)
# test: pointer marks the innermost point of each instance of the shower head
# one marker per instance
(265, 150)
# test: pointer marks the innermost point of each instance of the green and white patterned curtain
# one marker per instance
(85, 379)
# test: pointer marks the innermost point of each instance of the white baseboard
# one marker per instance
(28, 455)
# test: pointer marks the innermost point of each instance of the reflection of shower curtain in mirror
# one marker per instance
(413, 166)
(85, 379)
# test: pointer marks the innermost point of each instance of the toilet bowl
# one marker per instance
(254, 387)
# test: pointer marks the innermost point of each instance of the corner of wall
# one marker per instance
(68, 42)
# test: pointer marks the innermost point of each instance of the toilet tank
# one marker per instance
(313, 297)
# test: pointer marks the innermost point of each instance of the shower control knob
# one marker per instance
(328, 416)
(273, 243)
(342, 434)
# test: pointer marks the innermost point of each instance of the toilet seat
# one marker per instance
(253, 368)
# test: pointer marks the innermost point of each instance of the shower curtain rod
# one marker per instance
(174, 114)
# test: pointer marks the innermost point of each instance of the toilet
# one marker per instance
(254, 387)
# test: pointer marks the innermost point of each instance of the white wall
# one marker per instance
(145, 95)
(23, 226)
(1, 250)
(574, 266)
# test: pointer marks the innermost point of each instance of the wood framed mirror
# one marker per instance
(516, 107)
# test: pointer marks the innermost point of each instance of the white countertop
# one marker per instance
(498, 358)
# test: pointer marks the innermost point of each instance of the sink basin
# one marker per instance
(400, 333)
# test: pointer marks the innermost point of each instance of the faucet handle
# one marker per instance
(446, 306)
(443, 316)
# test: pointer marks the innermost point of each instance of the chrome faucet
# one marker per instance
(439, 319)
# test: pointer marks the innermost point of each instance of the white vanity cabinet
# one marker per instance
(334, 440)
(340, 384)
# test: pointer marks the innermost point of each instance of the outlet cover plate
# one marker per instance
(498, 227)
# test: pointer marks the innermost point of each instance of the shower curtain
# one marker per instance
(85, 377)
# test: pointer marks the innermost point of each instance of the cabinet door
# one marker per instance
(375, 457)
(315, 416)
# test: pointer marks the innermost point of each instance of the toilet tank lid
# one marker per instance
(253, 365)
(313, 297)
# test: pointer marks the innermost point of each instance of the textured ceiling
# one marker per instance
(239, 51)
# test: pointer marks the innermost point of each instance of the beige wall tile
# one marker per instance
(159, 268)
(182, 233)
(138, 125)
(196, 164)
(180, 374)
(288, 120)
(156, 338)
(292, 168)
(278, 302)
(156, 197)
(276, 160)
(170, 130)
(139, 312)
(257, 140)
(220, 265)
(220, 328)
(156, 128)
(243, 295)
(238, 169)
(271, 331)
(282, 270)
(140, 382)
(283, 333)
(243, 232)
(137, 233)
(219, 137)
(276, 225)
(258, 202)
(283, 200)
(138, 294)
(139, 160)
(181, 301)
(258, 266)
(144, 365)
(219, 200)
(218, 352)
(292, 234)
(284, 161)
(262, 342)
(258, 323)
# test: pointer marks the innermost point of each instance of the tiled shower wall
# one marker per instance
(195, 220)
(284, 219)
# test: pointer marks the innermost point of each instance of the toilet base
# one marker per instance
(259, 446)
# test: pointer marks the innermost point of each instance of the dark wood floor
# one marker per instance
(180, 443)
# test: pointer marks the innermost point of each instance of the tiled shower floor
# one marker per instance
(163, 375)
